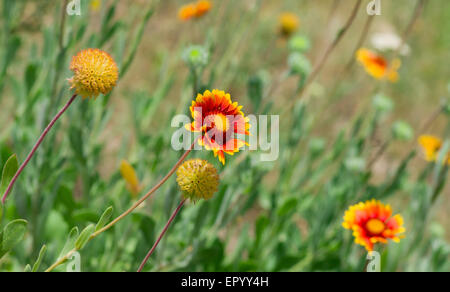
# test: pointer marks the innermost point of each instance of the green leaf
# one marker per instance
(70, 243)
(9, 170)
(27, 269)
(104, 218)
(288, 206)
(255, 91)
(12, 235)
(84, 236)
(39, 259)
(30, 76)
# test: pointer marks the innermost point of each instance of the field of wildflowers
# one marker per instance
(232, 135)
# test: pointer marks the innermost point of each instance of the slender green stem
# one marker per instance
(331, 47)
(361, 40)
(62, 24)
(318, 67)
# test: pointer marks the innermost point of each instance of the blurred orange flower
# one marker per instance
(289, 23)
(196, 10)
(219, 120)
(203, 6)
(431, 146)
(372, 222)
(377, 66)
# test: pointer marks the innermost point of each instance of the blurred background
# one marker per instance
(346, 138)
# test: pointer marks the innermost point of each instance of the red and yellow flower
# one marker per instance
(431, 146)
(194, 10)
(372, 222)
(219, 120)
(377, 66)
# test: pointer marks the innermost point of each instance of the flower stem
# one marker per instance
(361, 40)
(161, 235)
(131, 209)
(140, 201)
(331, 47)
(36, 146)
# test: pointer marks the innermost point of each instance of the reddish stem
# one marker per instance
(161, 235)
(36, 146)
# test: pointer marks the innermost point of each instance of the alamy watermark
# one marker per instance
(74, 263)
(74, 8)
(373, 262)
(374, 7)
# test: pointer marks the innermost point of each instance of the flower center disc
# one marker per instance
(375, 226)
(220, 122)
(379, 61)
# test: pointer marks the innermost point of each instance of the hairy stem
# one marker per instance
(36, 146)
(331, 47)
(361, 40)
(174, 214)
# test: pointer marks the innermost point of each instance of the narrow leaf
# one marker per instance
(104, 218)
(70, 243)
(84, 236)
(40, 257)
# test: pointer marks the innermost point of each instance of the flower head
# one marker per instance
(194, 10)
(402, 131)
(385, 41)
(202, 7)
(377, 66)
(299, 44)
(372, 222)
(219, 120)
(95, 5)
(196, 56)
(187, 12)
(95, 72)
(289, 23)
(299, 64)
(129, 175)
(197, 179)
(431, 146)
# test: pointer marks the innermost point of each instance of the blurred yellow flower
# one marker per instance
(95, 5)
(129, 175)
(377, 66)
(289, 23)
(95, 72)
(431, 146)
(194, 10)
(197, 179)
(372, 222)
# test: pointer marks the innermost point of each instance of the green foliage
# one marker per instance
(11, 235)
(282, 215)
(9, 170)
